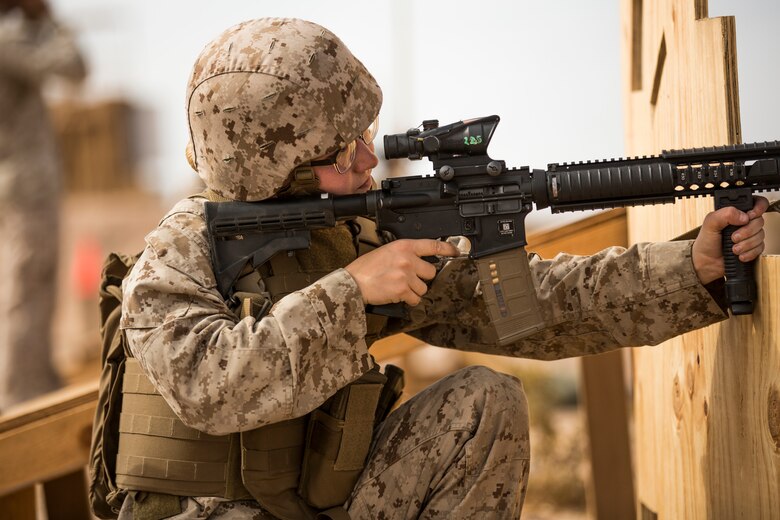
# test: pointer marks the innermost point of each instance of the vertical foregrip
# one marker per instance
(740, 276)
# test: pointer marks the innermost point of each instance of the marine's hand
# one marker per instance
(748, 239)
(396, 272)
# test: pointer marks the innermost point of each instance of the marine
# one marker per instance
(263, 405)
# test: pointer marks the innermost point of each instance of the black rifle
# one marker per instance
(480, 198)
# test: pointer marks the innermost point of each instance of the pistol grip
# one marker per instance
(397, 310)
(390, 310)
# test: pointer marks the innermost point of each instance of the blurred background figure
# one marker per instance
(33, 48)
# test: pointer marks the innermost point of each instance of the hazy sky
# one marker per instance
(550, 69)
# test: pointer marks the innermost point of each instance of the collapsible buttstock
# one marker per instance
(510, 296)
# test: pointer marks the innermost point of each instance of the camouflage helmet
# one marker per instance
(271, 94)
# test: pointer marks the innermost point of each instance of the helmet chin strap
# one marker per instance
(189, 152)
(302, 181)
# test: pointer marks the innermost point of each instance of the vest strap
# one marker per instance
(211, 195)
(358, 426)
(167, 469)
(234, 484)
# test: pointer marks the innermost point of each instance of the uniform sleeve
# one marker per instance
(222, 375)
(38, 49)
(619, 297)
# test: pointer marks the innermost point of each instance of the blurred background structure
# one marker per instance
(551, 70)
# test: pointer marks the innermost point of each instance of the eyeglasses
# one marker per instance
(343, 160)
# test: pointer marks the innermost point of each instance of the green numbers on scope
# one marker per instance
(473, 139)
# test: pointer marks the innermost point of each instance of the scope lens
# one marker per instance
(399, 146)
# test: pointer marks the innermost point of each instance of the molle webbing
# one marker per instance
(271, 458)
(355, 415)
(159, 453)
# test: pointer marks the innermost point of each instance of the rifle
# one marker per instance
(474, 196)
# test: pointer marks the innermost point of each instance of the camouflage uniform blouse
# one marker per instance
(222, 375)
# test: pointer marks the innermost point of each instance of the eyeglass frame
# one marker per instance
(350, 148)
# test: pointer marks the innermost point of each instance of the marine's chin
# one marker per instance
(365, 186)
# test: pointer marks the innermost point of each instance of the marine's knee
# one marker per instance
(500, 418)
(494, 394)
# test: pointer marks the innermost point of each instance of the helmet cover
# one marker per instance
(271, 94)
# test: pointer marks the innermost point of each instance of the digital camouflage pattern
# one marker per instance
(466, 436)
(30, 53)
(310, 348)
(269, 95)
(459, 449)
(618, 297)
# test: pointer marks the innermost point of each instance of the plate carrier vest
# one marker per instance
(295, 469)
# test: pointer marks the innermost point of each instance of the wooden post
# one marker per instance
(66, 497)
(611, 484)
(19, 505)
(707, 404)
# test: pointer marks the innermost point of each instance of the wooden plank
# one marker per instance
(93, 140)
(584, 237)
(66, 497)
(704, 401)
(744, 402)
(603, 387)
(48, 405)
(46, 442)
(606, 404)
(20, 505)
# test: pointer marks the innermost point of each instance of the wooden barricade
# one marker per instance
(707, 412)
(46, 442)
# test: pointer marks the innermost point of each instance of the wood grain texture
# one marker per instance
(20, 505)
(45, 442)
(603, 386)
(706, 407)
(66, 497)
